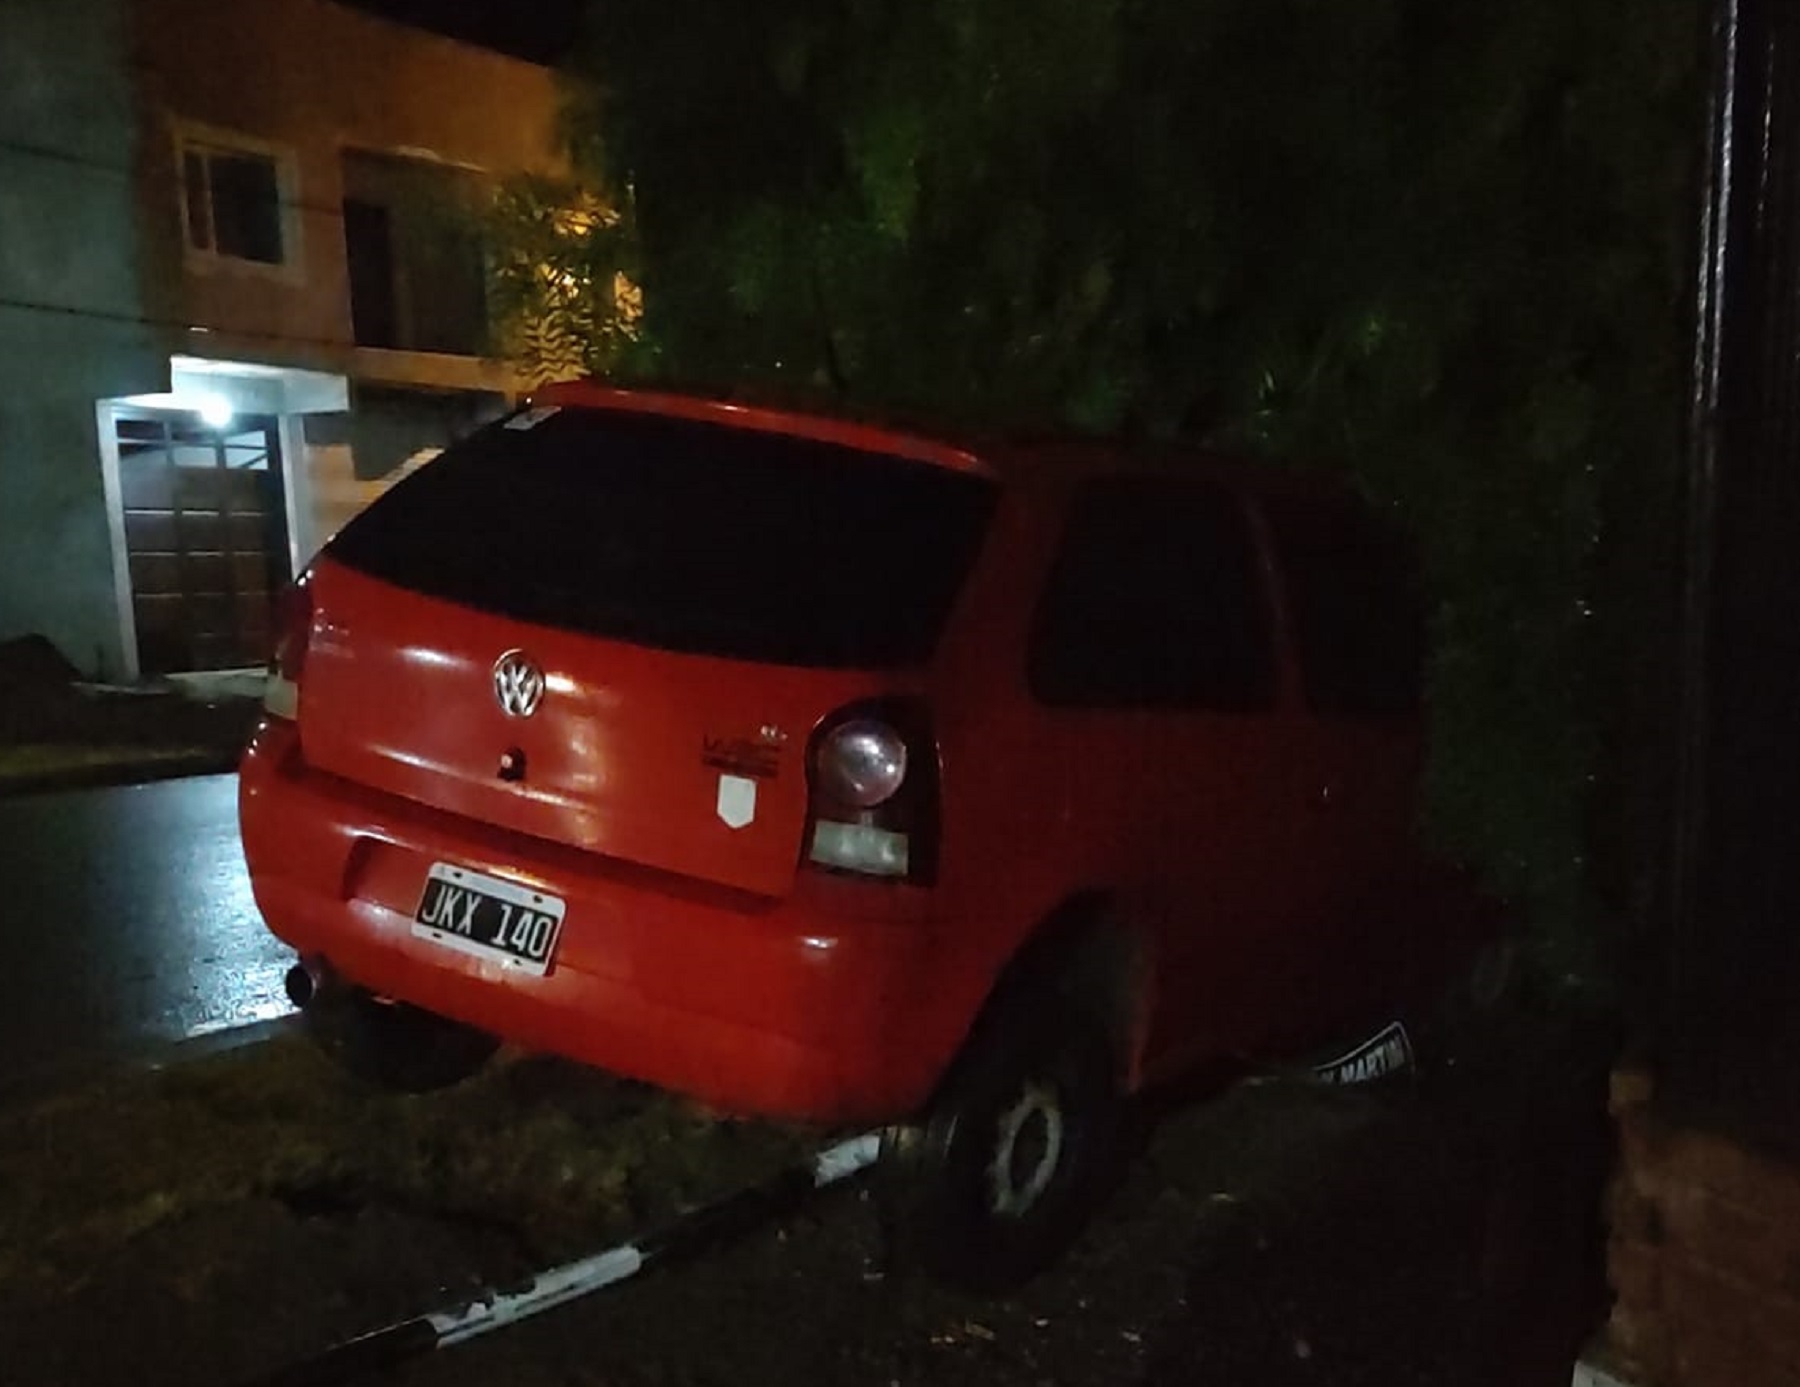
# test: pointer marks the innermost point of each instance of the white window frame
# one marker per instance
(193, 137)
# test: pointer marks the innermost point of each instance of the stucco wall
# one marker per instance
(98, 290)
(71, 323)
(334, 493)
(313, 79)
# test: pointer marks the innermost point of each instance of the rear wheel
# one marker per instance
(1017, 1151)
(1484, 989)
(1491, 983)
(392, 1045)
(1469, 1026)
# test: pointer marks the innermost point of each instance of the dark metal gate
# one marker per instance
(1732, 985)
(205, 537)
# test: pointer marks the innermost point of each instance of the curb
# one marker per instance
(153, 1057)
(113, 773)
(687, 1236)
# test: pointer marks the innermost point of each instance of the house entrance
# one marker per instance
(205, 537)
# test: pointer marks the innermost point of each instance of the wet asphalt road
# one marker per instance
(127, 923)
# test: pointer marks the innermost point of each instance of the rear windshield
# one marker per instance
(685, 536)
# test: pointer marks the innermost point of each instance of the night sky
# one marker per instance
(542, 30)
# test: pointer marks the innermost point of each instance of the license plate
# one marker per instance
(498, 920)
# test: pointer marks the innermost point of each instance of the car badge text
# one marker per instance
(518, 684)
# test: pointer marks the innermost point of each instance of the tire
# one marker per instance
(1468, 1031)
(1485, 989)
(393, 1046)
(1492, 981)
(1017, 1151)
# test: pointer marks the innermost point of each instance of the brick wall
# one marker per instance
(1704, 1255)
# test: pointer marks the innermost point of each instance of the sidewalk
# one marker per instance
(59, 733)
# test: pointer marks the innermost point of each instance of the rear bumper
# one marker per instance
(822, 1005)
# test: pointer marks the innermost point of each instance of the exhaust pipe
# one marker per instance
(309, 980)
(300, 986)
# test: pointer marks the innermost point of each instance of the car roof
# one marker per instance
(843, 430)
(1020, 460)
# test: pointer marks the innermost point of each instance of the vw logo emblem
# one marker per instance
(518, 684)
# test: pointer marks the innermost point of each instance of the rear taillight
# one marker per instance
(293, 632)
(862, 763)
(873, 776)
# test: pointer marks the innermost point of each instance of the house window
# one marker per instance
(412, 237)
(232, 202)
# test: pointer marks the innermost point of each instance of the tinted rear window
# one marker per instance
(1153, 602)
(685, 536)
(1353, 589)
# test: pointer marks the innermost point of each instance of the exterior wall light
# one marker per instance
(214, 409)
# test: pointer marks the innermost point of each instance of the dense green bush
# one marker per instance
(1441, 245)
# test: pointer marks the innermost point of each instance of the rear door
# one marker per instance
(615, 631)
(1153, 651)
(1351, 593)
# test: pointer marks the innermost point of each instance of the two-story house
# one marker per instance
(240, 291)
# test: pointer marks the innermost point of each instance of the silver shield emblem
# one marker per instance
(518, 684)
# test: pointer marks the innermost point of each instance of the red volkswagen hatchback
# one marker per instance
(829, 772)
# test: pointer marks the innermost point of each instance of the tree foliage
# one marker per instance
(1441, 245)
(559, 289)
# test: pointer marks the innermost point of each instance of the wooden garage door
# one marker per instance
(206, 538)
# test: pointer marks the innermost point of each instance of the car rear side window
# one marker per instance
(1353, 594)
(685, 536)
(1153, 602)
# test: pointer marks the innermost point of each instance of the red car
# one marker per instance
(829, 772)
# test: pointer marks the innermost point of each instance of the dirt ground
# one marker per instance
(213, 1222)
